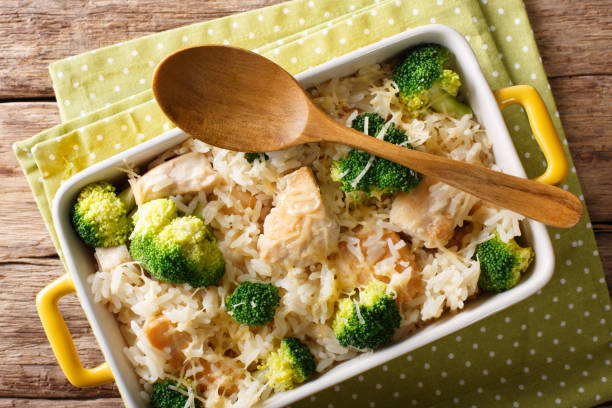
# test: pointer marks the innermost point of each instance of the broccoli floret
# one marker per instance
(501, 263)
(253, 303)
(383, 176)
(100, 217)
(252, 156)
(175, 249)
(369, 321)
(425, 84)
(291, 364)
(165, 395)
(375, 123)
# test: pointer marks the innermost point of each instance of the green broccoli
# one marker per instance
(501, 263)
(291, 364)
(165, 394)
(382, 176)
(253, 303)
(375, 123)
(424, 83)
(368, 322)
(252, 156)
(175, 249)
(100, 217)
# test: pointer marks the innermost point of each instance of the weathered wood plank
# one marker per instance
(584, 106)
(51, 403)
(28, 236)
(573, 36)
(603, 235)
(75, 26)
(29, 368)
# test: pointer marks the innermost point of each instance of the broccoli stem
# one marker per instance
(448, 104)
(128, 199)
(445, 103)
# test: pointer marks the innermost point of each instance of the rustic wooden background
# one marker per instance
(574, 39)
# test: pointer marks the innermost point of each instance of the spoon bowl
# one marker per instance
(210, 89)
(238, 100)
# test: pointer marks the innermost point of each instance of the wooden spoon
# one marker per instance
(235, 99)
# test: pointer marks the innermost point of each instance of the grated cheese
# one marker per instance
(357, 179)
(351, 118)
(383, 131)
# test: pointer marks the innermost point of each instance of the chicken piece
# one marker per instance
(299, 231)
(188, 173)
(423, 216)
(355, 265)
(111, 257)
(163, 335)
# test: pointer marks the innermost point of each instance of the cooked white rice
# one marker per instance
(214, 343)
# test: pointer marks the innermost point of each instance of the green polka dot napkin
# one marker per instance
(553, 349)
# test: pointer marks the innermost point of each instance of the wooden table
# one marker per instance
(574, 40)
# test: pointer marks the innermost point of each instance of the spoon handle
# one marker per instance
(541, 202)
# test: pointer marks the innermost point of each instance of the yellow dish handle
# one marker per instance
(542, 127)
(61, 340)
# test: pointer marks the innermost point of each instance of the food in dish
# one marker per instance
(247, 274)
(100, 216)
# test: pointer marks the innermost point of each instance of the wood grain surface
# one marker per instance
(574, 40)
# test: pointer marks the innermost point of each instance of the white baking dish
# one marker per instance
(81, 263)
